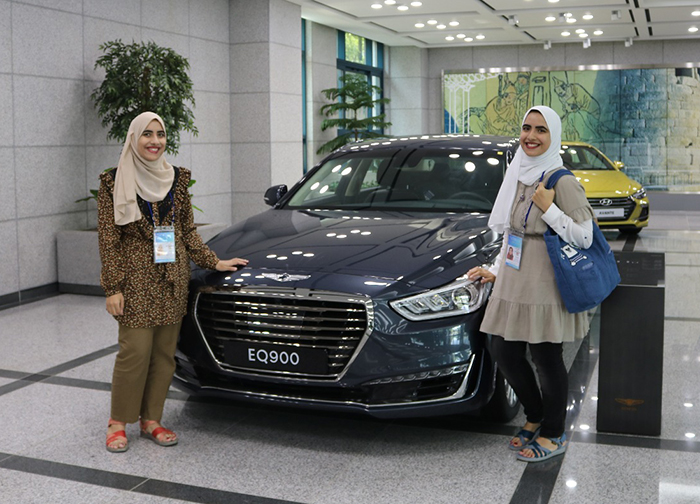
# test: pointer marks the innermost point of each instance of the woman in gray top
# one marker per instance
(525, 308)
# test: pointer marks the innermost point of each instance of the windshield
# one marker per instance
(426, 180)
(577, 157)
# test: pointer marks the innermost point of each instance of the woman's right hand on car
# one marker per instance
(481, 273)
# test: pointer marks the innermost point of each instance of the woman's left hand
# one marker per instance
(543, 198)
(231, 264)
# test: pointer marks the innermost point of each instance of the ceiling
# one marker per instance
(501, 22)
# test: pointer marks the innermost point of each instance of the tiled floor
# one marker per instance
(55, 365)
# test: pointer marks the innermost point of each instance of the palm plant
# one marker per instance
(350, 111)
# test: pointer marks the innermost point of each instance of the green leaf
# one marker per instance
(356, 97)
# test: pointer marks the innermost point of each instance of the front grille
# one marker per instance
(625, 203)
(284, 318)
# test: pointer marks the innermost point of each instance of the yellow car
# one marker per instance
(617, 200)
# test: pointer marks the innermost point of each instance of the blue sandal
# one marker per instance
(541, 453)
(525, 436)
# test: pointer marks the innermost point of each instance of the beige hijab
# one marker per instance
(149, 179)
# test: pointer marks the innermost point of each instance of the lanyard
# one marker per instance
(530, 207)
(150, 209)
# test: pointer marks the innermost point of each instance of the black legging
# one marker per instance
(545, 404)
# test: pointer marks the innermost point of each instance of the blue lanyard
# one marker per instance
(530, 207)
(150, 209)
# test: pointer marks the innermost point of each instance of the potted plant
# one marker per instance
(139, 77)
(350, 111)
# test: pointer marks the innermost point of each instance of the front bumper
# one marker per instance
(635, 212)
(399, 369)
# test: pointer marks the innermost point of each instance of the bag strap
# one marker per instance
(554, 177)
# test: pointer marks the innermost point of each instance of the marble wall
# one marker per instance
(244, 59)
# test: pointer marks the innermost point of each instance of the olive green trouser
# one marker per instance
(143, 371)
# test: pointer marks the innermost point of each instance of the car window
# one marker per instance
(583, 158)
(432, 180)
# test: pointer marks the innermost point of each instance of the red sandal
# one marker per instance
(153, 435)
(113, 437)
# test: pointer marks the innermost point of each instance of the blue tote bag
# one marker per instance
(585, 277)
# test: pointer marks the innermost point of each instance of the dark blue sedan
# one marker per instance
(356, 297)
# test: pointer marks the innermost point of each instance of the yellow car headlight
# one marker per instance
(642, 193)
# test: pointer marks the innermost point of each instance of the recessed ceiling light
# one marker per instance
(377, 6)
(571, 20)
(416, 4)
(461, 35)
(553, 1)
(568, 14)
(432, 21)
(441, 27)
(403, 7)
(480, 37)
(598, 32)
(565, 33)
(588, 16)
(419, 25)
(468, 39)
(696, 13)
(580, 30)
(693, 29)
(450, 38)
(389, 2)
(549, 19)
(583, 35)
(454, 23)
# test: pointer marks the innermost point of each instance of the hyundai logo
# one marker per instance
(606, 202)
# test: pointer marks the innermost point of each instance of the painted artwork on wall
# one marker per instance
(647, 118)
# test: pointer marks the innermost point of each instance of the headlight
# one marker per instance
(458, 298)
(642, 193)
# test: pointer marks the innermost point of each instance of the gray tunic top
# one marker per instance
(525, 304)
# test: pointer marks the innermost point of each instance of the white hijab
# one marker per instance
(527, 169)
(149, 179)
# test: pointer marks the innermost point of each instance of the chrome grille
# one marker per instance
(334, 322)
(626, 203)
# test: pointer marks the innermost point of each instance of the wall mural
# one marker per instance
(647, 118)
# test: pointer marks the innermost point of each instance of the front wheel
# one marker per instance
(504, 404)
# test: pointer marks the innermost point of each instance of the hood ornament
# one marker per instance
(285, 277)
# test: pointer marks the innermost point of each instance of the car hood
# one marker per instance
(418, 250)
(606, 183)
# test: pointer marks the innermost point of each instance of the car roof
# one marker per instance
(443, 141)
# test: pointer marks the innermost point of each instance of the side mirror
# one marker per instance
(274, 194)
(619, 165)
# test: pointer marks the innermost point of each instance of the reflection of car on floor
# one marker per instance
(355, 298)
(617, 200)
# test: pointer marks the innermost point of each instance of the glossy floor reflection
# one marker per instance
(55, 365)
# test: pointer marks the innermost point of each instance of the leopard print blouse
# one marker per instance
(154, 294)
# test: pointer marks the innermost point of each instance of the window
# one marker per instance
(362, 56)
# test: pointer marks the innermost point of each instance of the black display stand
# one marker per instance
(631, 348)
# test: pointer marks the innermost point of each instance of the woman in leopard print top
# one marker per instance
(147, 299)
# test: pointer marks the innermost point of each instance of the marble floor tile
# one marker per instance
(43, 334)
(596, 474)
(24, 488)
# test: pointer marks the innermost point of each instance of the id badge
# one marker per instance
(514, 250)
(164, 244)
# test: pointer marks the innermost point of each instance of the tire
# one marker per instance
(504, 404)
